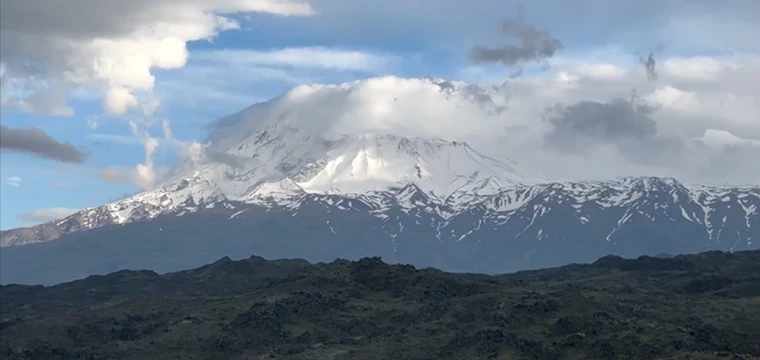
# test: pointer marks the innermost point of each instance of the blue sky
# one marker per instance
(399, 37)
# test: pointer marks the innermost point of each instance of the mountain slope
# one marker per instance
(355, 165)
(524, 227)
(686, 307)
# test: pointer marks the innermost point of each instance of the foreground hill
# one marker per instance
(704, 306)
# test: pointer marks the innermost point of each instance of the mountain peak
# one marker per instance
(387, 138)
(376, 161)
(408, 107)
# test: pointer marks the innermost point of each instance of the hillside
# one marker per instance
(704, 306)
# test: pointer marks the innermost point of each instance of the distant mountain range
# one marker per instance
(275, 183)
(524, 227)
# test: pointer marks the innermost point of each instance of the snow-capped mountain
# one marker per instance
(361, 181)
(360, 164)
(292, 144)
(520, 227)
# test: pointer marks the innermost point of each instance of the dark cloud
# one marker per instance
(534, 46)
(650, 65)
(474, 92)
(36, 142)
(624, 124)
(610, 121)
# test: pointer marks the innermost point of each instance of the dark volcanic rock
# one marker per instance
(686, 307)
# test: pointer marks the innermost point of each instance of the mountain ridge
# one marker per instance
(524, 227)
(362, 164)
(286, 192)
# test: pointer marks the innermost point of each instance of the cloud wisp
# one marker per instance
(113, 174)
(39, 216)
(14, 181)
(650, 66)
(325, 58)
(36, 142)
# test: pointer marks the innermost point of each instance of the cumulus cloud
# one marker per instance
(686, 125)
(110, 48)
(108, 45)
(118, 100)
(405, 107)
(36, 142)
(44, 215)
(14, 181)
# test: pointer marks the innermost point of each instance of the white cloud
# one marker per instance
(720, 139)
(687, 107)
(14, 181)
(675, 99)
(406, 107)
(602, 71)
(150, 107)
(696, 68)
(145, 174)
(118, 100)
(44, 215)
(47, 51)
(92, 122)
(508, 118)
